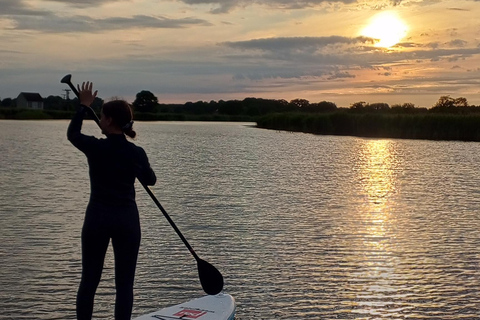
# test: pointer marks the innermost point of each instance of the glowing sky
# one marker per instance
(190, 50)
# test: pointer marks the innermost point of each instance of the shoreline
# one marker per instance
(425, 126)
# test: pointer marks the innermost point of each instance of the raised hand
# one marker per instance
(85, 94)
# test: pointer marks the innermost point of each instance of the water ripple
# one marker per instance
(301, 226)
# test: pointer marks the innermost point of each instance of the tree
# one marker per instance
(200, 107)
(7, 102)
(231, 107)
(97, 104)
(53, 103)
(379, 106)
(324, 106)
(449, 104)
(404, 108)
(363, 107)
(300, 103)
(358, 106)
(461, 102)
(145, 101)
(408, 105)
(444, 102)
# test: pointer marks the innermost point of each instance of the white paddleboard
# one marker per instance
(217, 307)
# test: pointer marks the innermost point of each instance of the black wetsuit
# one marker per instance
(112, 213)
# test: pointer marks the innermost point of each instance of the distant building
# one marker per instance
(30, 100)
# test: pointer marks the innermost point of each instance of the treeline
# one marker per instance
(147, 103)
(449, 118)
(147, 107)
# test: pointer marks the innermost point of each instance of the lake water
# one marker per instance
(301, 226)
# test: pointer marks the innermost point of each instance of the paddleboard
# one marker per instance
(214, 307)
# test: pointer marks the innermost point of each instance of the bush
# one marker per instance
(31, 115)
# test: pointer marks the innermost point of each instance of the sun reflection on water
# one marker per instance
(377, 170)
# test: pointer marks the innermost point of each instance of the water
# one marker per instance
(301, 226)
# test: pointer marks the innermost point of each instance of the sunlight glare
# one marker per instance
(387, 27)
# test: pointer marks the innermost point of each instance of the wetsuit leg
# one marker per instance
(126, 243)
(95, 241)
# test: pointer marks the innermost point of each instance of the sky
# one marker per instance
(342, 51)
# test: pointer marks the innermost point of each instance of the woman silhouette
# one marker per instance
(112, 213)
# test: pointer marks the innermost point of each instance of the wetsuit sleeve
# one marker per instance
(74, 134)
(144, 172)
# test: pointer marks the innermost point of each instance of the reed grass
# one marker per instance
(432, 126)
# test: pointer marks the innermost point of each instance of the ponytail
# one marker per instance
(127, 129)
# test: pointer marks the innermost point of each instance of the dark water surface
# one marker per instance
(301, 226)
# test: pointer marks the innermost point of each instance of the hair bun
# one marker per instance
(128, 126)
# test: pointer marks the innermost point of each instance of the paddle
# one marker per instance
(210, 278)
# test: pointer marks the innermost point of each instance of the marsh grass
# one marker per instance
(432, 126)
(33, 114)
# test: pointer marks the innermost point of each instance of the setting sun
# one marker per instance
(387, 27)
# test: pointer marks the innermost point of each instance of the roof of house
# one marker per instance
(31, 96)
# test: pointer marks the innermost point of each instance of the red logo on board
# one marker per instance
(190, 314)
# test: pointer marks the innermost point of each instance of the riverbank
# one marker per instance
(33, 114)
(429, 126)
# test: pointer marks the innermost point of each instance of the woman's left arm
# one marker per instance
(145, 173)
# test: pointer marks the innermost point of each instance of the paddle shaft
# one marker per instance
(189, 247)
(67, 81)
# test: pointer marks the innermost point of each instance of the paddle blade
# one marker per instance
(210, 278)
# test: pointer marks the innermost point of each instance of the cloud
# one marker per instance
(86, 3)
(330, 58)
(317, 50)
(296, 57)
(224, 6)
(340, 75)
(313, 49)
(18, 7)
(289, 43)
(458, 9)
(51, 23)
(338, 46)
(458, 43)
(22, 7)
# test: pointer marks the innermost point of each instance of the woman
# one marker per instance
(112, 213)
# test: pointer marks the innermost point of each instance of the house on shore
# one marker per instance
(30, 100)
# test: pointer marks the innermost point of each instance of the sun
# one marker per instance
(387, 28)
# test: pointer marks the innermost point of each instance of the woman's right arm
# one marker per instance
(74, 132)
